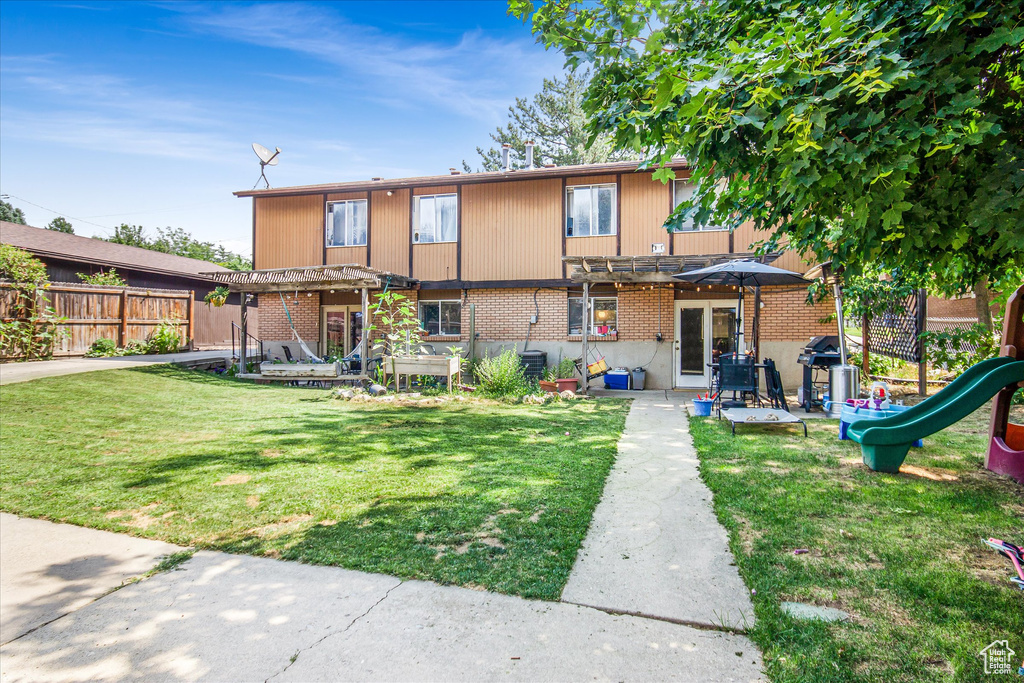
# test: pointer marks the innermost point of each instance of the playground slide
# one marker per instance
(884, 443)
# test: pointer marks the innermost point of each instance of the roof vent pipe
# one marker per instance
(529, 154)
(504, 156)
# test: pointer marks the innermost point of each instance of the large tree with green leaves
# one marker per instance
(180, 243)
(884, 132)
(558, 126)
(11, 213)
(61, 224)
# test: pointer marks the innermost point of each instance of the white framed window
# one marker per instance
(604, 316)
(435, 218)
(441, 318)
(346, 223)
(682, 190)
(590, 210)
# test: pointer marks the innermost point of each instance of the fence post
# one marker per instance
(922, 326)
(191, 319)
(122, 333)
(243, 333)
(865, 344)
(585, 331)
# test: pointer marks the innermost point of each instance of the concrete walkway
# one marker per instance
(228, 617)
(655, 547)
(23, 372)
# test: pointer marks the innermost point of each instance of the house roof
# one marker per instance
(458, 179)
(59, 245)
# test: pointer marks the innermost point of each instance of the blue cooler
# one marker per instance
(616, 379)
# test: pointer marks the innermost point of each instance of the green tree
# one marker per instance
(60, 224)
(556, 123)
(109, 277)
(11, 214)
(884, 132)
(180, 243)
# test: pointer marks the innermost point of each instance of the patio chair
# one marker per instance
(738, 375)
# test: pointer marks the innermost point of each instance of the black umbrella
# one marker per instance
(743, 274)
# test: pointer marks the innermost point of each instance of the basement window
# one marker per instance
(590, 210)
(603, 316)
(346, 223)
(435, 219)
(441, 318)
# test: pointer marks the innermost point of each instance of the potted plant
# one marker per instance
(549, 383)
(565, 376)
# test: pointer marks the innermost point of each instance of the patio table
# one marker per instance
(760, 416)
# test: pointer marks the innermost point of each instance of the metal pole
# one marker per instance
(922, 326)
(865, 344)
(364, 355)
(585, 330)
(837, 294)
(243, 334)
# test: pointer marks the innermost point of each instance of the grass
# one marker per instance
(901, 553)
(472, 493)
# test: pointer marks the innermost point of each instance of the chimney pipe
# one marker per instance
(504, 155)
(529, 154)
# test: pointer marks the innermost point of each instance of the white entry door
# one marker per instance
(703, 331)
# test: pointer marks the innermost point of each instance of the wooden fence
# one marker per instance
(94, 312)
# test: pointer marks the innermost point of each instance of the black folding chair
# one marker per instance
(773, 384)
(738, 375)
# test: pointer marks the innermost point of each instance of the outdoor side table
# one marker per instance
(760, 416)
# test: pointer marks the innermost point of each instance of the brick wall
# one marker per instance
(305, 312)
(504, 314)
(786, 316)
(639, 312)
(952, 308)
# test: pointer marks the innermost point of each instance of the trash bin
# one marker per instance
(639, 374)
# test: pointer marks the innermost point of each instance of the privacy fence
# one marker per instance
(91, 312)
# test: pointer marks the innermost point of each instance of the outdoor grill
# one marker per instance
(821, 353)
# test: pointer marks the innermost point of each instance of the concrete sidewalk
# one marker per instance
(655, 547)
(23, 372)
(228, 617)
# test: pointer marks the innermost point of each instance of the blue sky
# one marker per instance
(145, 112)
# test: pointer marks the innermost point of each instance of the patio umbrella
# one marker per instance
(743, 274)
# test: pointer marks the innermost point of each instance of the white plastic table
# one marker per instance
(760, 416)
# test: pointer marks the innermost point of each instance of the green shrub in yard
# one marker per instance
(946, 348)
(102, 348)
(167, 338)
(502, 375)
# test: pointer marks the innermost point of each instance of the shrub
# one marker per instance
(166, 338)
(879, 365)
(33, 330)
(951, 349)
(102, 348)
(109, 277)
(20, 266)
(503, 375)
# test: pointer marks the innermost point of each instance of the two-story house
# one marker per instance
(515, 248)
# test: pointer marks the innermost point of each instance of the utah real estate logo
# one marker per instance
(998, 657)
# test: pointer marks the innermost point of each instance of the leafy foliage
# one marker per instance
(217, 296)
(20, 266)
(502, 376)
(102, 348)
(33, 329)
(878, 131)
(957, 349)
(167, 337)
(109, 277)
(180, 243)
(556, 123)
(11, 213)
(398, 328)
(60, 224)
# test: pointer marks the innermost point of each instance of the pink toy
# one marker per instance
(1006, 439)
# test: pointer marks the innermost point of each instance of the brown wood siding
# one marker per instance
(339, 255)
(591, 180)
(345, 195)
(289, 231)
(696, 243)
(389, 233)
(590, 246)
(437, 189)
(512, 230)
(645, 205)
(744, 236)
(435, 261)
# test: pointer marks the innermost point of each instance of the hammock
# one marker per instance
(305, 349)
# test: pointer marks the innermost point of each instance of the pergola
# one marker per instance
(346, 277)
(658, 268)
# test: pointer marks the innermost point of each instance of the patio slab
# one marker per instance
(655, 547)
(48, 570)
(24, 372)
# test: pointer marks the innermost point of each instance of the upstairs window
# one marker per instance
(590, 210)
(441, 318)
(682, 191)
(435, 219)
(346, 223)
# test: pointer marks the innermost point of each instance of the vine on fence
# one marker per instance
(30, 330)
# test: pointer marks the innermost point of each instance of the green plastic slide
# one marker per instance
(884, 443)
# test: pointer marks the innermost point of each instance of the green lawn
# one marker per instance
(475, 494)
(901, 553)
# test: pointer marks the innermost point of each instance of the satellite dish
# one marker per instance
(267, 158)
